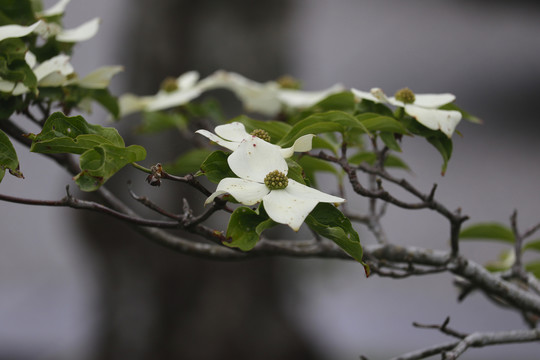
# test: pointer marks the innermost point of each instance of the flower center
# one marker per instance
(261, 134)
(169, 85)
(405, 95)
(276, 180)
(288, 82)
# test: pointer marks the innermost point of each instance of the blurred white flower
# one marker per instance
(231, 135)
(423, 107)
(180, 91)
(266, 98)
(262, 173)
(17, 31)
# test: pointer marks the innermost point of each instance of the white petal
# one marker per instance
(99, 78)
(302, 191)
(234, 131)
(130, 103)
(231, 145)
(165, 100)
(82, 32)
(285, 208)
(303, 143)
(302, 99)
(433, 100)
(187, 80)
(255, 158)
(53, 72)
(12, 88)
(30, 59)
(434, 119)
(245, 191)
(257, 97)
(16, 31)
(56, 9)
(376, 95)
(293, 204)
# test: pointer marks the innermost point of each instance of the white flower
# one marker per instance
(57, 9)
(187, 89)
(253, 162)
(231, 135)
(424, 108)
(266, 98)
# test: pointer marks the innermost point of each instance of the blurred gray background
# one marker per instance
(67, 295)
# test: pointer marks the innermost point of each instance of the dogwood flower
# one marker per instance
(174, 92)
(266, 98)
(423, 107)
(262, 176)
(17, 31)
(231, 135)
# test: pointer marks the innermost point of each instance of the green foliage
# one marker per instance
(532, 245)
(189, 162)
(158, 121)
(8, 157)
(312, 165)
(102, 149)
(245, 228)
(330, 121)
(444, 145)
(370, 158)
(16, 12)
(276, 129)
(375, 122)
(487, 231)
(326, 220)
(216, 168)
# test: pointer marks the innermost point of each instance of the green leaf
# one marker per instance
(8, 157)
(464, 114)
(487, 231)
(343, 101)
(12, 49)
(328, 221)
(389, 139)
(330, 121)
(534, 268)
(105, 99)
(16, 12)
(276, 129)
(444, 145)
(245, 227)
(370, 158)
(532, 245)
(313, 165)
(216, 168)
(158, 121)
(189, 162)
(102, 149)
(61, 134)
(375, 122)
(102, 162)
(295, 171)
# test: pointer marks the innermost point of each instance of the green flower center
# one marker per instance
(261, 134)
(169, 85)
(405, 95)
(289, 82)
(276, 180)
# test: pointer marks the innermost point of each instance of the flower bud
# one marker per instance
(405, 95)
(276, 180)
